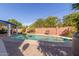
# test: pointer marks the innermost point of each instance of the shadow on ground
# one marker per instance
(47, 48)
(52, 49)
(13, 47)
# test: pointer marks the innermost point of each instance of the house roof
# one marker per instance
(7, 22)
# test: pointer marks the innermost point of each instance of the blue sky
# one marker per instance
(29, 12)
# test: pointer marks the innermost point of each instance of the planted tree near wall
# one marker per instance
(51, 21)
(72, 20)
(48, 22)
(39, 23)
(68, 20)
(24, 28)
(75, 41)
(76, 7)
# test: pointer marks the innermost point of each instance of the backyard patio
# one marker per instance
(34, 48)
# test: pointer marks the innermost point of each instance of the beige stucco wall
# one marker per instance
(53, 31)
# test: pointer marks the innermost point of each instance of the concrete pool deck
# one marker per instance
(25, 47)
(3, 51)
(37, 48)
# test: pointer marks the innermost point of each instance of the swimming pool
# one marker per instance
(39, 38)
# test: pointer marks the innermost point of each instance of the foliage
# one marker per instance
(24, 29)
(31, 27)
(48, 22)
(75, 6)
(3, 31)
(2, 24)
(72, 20)
(68, 20)
(14, 21)
(51, 21)
(39, 23)
(59, 23)
(70, 33)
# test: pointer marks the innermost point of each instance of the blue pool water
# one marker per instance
(39, 37)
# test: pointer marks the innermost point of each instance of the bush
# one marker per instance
(3, 31)
(70, 33)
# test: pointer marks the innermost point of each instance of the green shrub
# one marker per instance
(3, 31)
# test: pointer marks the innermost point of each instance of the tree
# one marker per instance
(68, 20)
(72, 20)
(24, 29)
(75, 41)
(59, 23)
(1, 25)
(75, 6)
(14, 21)
(39, 23)
(48, 22)
(51, 21)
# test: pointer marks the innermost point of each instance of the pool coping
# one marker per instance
(50, 35)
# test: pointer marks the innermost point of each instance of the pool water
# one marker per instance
(39, 37)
